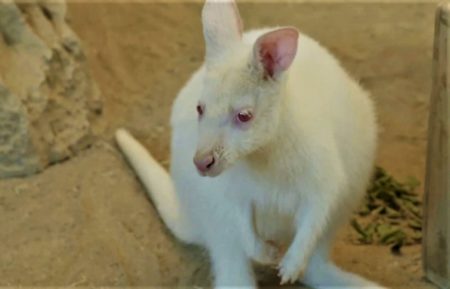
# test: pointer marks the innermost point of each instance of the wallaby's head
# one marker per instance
(240, 105)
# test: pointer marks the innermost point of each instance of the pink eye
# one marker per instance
(244, 116)
(200, 110)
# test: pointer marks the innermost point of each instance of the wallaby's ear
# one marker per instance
(222, 26)
(275, 51)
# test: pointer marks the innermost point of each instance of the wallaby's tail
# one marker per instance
(158, 184)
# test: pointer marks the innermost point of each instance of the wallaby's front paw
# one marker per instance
(290, 268)
(267, 252)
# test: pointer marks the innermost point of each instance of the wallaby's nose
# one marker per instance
(204, 162)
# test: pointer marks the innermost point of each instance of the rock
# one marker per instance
(47, 97)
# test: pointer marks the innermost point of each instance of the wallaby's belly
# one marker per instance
(274, 226)
(274, 207)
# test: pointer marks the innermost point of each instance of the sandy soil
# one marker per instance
(88, 222)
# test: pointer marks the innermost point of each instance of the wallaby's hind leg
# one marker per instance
(231, 267)
(322, 273)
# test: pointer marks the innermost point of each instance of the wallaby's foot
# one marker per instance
(234, 287)
(230, 264)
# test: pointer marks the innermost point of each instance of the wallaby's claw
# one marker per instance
(290, 270)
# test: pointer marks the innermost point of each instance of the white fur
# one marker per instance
(291, 178)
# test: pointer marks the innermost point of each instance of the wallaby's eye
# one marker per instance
(244, 116)
(200, 110)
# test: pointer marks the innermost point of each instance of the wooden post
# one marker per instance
(436, 241)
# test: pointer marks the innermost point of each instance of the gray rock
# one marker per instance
(47, 97)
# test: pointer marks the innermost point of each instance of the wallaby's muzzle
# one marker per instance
(207, 164)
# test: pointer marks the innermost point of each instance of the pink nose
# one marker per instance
(204, 162)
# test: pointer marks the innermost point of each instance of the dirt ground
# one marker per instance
(87, 221)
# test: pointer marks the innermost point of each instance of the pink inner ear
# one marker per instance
(276, 50)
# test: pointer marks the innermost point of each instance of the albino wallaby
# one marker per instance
(283, 143)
